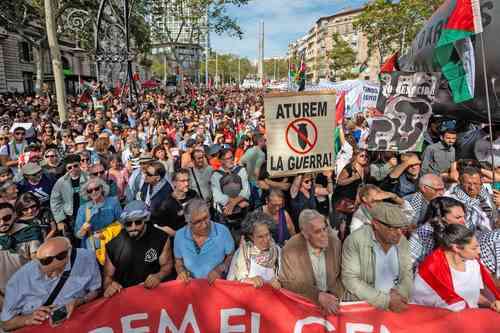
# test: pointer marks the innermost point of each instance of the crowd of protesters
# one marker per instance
(176, 187)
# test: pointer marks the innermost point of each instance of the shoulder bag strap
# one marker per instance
(197, 184)
(62, 281)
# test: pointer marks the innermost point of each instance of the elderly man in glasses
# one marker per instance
(139, 254)
(376, 264)
(31, 295)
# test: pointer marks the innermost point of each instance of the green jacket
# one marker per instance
(61, 198)
(358, 268)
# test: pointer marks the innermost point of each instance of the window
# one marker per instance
(25, 52)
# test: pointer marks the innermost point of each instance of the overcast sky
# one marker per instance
(285, 21)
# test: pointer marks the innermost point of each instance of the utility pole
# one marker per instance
(165, 74)
(216, 70)
(207, 52)
(55, 53)
(275, 69)
(239, 70)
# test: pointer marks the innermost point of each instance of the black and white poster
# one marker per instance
(405, 99)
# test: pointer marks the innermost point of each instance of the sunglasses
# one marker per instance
(3, 138)
(48, 260)
(25, 209)
(92, 190)
(72, 166)
(98, 173)
(138, 223)
(308, 181)
(84, 160)
(50, 156)
(150, 175)
(6, 218)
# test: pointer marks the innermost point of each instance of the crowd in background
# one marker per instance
(176, 187)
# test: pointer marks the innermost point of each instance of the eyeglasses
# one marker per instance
(307, 181)
(72, 166)
(138, 223)
(48, 260)
(6, 218)
(32, 207)
(50, 156)
(83, 160)
(441, 189)
(98, 173)
(92, 190)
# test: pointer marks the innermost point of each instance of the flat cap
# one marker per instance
(389, 214)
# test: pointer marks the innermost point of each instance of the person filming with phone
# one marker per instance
(51, 287)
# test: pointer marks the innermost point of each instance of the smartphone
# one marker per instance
(59, 315)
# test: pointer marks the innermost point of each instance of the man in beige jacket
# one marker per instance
(376, 265)
(310, 263)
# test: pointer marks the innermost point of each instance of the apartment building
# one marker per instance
(317, 43)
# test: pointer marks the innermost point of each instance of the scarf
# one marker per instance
(268, 259)
(435, 271)
(23, 235)
(419, 205)
(479, 202)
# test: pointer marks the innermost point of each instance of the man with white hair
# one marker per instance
(430, 186)
(311, 262)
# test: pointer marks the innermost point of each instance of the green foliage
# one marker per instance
(278, 66)
(390, 26)
(342, 58)
(227, 68)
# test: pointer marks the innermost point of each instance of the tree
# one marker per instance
(391, 25)
(278, 66)
(228, 67)
(26, 18)
(342, 58)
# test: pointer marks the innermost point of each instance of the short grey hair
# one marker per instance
(255, 218)
(308, 215)
(428, 180)
(196, 206)
(94, 180)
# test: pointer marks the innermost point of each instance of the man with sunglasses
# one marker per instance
(18, 244)
(51, 163)
(37, 182)
(10, 153)
(65, 196)
(31, 295)
(139, 254)
(376, 263)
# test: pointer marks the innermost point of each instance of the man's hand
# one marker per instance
(256, 281)
(213, 275)
(152, 281)
(381, 196)
(397, 302)
(38, 316)
(113, 288)
(275, 283)
(495, 306)
(85, 228)
(184, 276)
(70, 307)
(329, 303)
(228, 209)
(412, 160)
(244, 204)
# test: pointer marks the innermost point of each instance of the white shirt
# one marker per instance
(386, 268)
(466, 284)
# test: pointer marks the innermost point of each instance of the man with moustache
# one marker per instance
(376, 264)
(139, 254)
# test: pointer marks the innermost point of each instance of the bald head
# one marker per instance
(431, 186)
(53, 246)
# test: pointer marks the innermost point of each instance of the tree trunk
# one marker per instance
(39, 62)
(56, 59)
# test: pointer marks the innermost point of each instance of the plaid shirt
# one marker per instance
(422, 240)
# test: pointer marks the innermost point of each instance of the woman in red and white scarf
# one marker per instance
(452, 276)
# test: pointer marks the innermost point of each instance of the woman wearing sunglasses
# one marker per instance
(29, 211)
(97, 215)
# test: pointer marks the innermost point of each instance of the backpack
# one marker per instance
(231, 183)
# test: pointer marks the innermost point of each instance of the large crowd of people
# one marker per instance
(175, 186)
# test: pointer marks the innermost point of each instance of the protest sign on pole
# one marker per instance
(299, 128)
(405, 99)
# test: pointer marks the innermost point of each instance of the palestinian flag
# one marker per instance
(339, 120)
(464, 22)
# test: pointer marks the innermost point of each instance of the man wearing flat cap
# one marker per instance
(37, 182)
(376, 265)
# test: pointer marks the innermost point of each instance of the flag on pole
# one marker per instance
(464, 22)
(301, 76)
(391, 64)
(339, 120)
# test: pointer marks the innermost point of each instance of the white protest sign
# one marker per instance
(300, 128)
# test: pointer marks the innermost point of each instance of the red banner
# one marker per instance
(228, 307)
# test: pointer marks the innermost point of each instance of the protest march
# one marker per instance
(349, 206)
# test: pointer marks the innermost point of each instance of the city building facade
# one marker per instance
(316, 44)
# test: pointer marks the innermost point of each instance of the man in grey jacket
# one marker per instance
(376, 265)
(65, 196)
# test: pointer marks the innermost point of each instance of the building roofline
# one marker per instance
(342, 12)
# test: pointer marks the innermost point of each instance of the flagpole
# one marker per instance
(488, 105)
